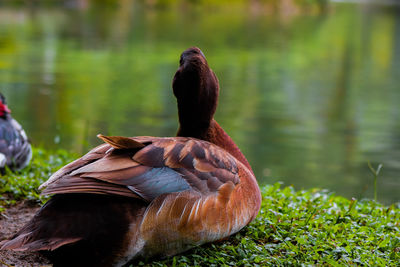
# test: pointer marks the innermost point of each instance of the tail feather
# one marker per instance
(79, 229)
(23, 242)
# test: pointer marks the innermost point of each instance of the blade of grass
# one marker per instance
(375, 173)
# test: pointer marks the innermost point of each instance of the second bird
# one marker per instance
(15, 149)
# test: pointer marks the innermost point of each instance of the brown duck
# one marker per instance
(148, 196)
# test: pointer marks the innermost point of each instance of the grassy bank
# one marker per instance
(293, 228)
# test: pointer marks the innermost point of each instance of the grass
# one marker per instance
(376, 174)
(294, 228)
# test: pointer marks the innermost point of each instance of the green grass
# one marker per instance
(310, 227)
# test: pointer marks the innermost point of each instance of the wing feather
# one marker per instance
(77, 184)
(122, 176)
(95, 154)
(146, 167)
(120, 142)
(107, 164)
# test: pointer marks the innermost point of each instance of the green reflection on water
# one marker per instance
(309, 97)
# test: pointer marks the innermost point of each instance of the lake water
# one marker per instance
(310, 95)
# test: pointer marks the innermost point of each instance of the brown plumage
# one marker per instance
(148, 196)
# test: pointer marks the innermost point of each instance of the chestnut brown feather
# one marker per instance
(77, 184)
(120, 142)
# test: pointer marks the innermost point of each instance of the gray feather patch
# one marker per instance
(157, 181)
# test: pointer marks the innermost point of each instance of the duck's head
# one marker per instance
(196, 90)
(4, 110)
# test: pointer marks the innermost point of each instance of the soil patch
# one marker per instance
(10, 222)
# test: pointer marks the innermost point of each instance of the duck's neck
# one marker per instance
(216, 135)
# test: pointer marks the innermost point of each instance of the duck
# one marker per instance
(15, 148)
(144, 197)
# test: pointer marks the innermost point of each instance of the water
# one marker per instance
(310, 95)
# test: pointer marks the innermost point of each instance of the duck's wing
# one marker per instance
(146, 167)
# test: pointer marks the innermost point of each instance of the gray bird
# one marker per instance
(15, 149)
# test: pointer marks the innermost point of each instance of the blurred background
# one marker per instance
(310, 90)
